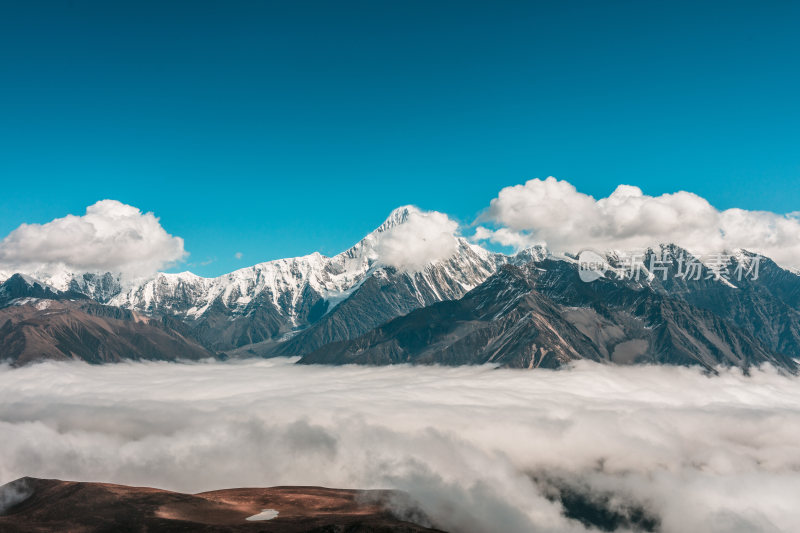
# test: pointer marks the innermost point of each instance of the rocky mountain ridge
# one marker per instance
(532, 308)
(270, 301)
(542, 315)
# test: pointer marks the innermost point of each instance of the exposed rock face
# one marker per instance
(53, 505)
(767, 307)
(502, 321)
(37, 329)
(267, 302)
(251, 311)
(20, 286)
(341, 309)
(387, 294)
(542, 314)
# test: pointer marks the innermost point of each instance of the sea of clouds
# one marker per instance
(476, 447)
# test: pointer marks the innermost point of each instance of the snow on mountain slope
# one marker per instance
(273, 300)
(299, 290)
(330, 298)
(97, 286)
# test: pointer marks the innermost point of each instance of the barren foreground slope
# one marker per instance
(43, 505)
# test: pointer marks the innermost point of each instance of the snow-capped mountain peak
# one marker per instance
(288, 289)
(273, 299)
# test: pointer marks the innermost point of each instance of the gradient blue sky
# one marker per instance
(279, 128)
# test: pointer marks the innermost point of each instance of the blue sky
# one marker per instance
(280, 128)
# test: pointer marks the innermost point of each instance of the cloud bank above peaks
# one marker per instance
(110, 237)
(555, 213)
(420, 238)
(115, 237)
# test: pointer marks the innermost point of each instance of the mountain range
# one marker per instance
(529, 309)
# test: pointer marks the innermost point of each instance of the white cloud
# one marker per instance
(553, 212)
(424, 237)
(110, 237)
(699, 453)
